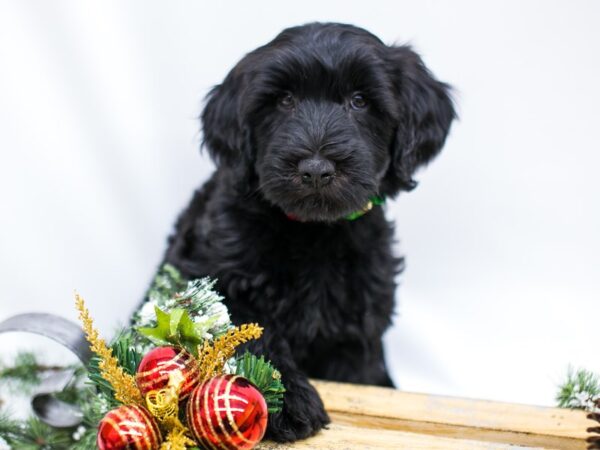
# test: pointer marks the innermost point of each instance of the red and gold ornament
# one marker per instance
(155, 368)
(227, 413)
(126, 427)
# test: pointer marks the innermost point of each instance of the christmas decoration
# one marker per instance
(162, 402)
(154, 369)
(227, 412)
(175, 327)
(126, 427)
(212, 356)
(123, 384)
(32, 434)
(204, 306)
(26, 370)
(579, 391)
(265, 377)
(130, 392)
(164, 406)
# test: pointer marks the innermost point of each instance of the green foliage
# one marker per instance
(198, 296)
(94, 407)
(8, 426)
(174, 327)
(103, 387)
(206, 308)
(125, 350)
(25, 372)
(167, 282)
(177, 312)
(25, 369)
(33, 435)
(86, 442)
(579, 390)
(180, 312)
(266, 378)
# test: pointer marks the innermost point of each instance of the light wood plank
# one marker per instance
(345, 437)
(383, 408)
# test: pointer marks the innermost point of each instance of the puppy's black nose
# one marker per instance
(316, 171)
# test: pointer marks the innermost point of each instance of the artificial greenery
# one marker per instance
(174, 327)
(180, 312)
(197, 296)
(579, 391)
(265, 377)
(167, 282)
(25, 373)
(125, 350)
(33, 435)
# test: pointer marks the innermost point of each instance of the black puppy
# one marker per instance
(307, 131)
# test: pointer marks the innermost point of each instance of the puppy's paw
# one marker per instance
(303, 414)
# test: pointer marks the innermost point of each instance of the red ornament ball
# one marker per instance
(154, 369)
(227, 412)
(128, 427)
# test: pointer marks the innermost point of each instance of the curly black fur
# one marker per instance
(322, 287)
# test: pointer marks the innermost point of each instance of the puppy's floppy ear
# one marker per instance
(425, 112)
(223, 121)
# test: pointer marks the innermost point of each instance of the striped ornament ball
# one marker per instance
(156, 366)
(227, 413)
(128, 427)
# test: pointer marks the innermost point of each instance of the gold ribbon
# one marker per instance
(163, 404)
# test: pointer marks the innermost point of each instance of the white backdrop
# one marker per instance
(99, 153)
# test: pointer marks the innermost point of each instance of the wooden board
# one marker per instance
(339, 436)
(367, 417)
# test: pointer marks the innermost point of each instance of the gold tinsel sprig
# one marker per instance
(126, 390)
(213, 356)
(177, 440)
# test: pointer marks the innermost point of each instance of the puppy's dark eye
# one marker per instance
(286, 100)
(358, 101)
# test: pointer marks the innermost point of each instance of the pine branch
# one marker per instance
(579, 390)
(86, 442)
(167, 282)
(33, 435)
(124, 349)
(198, 296)
(26, 371)
(8, 426)
(265, 377)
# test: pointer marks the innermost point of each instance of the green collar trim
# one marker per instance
(373, 201)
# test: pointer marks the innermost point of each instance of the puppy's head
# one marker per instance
(326, 116)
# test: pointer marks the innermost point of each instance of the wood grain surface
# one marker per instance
(367, 417)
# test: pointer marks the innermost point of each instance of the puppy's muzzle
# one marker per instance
(316, 171)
